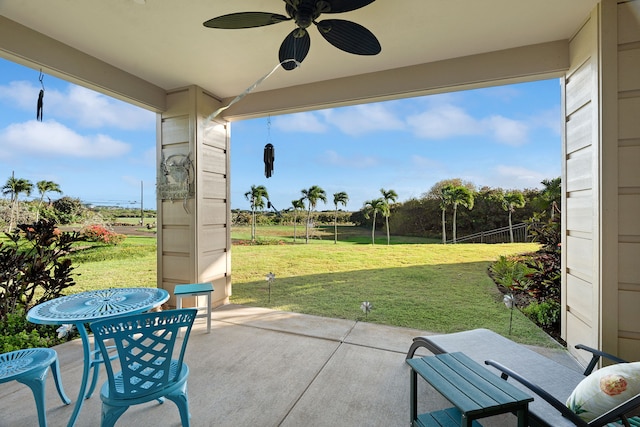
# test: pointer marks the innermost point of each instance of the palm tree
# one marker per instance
(552, 194)
(14, 187)
(445, 200)
(460, 196)
(256, 197)
(312, 195)
(297, 204)
(511, 202)
(43, 188)
(338, 198)
(388, 196)
(373, 207)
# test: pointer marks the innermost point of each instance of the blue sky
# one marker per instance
(99, 149)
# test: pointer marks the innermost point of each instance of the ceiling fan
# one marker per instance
(345, 35)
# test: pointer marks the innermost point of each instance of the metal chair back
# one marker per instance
(145, 345)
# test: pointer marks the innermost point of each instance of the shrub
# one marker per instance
(16, 333)
(545, 231)
(67, 209)
(510, 272)
(545, 313)
(34, 266)
(545, 276)
(535, 278)
(99, 233)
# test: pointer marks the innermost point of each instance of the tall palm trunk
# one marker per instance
(444, 229)
(455, 212)
(388, 237)
(335, 228)
(14, 212)
(39, 207)
(253, 225)
(510, 227)
(307, 226)
(295, 222)
(373, 229)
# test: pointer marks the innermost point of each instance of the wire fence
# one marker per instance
(498, 235)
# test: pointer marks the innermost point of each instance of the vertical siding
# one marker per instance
(580, 195)
(213, 236)
(193, 238)
(628, 103)
(175, 256)
(601, 230)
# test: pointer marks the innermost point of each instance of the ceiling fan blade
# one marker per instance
(349, 37)
(339, 6)
(245, 20)
(295, 46)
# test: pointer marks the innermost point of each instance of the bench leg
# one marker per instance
(523, 417)
(414, 396)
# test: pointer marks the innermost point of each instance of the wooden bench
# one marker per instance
(555, 378)
(474, 391)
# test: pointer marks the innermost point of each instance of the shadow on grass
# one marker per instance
(439, 298)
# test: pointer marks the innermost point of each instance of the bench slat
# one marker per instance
(471, 387)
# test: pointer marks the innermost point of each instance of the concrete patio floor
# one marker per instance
(262, 367)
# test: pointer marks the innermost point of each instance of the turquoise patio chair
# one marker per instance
(151, 364)
(30, 367)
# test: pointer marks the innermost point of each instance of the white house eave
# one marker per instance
(535, 62)
(35, 50)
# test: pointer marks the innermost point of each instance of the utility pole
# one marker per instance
(141, 203)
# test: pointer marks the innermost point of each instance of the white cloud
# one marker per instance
(362, 119)
(20, 94)
(357, 162)
(444, 121)
(93, 110)
(509, 131)
(300, 122)
(50, 138)
(84, 107)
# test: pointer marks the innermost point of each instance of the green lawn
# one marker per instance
(428, 286)
(132, 263)
(424, 286)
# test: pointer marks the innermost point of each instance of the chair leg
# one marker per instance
(36, 383)
(110, 414)
(95, 365)
(55, 371)
(179, 397)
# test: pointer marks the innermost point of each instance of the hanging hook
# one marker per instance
(40, 97)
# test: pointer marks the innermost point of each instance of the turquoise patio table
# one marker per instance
(86, 307)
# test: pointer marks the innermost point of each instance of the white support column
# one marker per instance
(194, 218)
(601, 182)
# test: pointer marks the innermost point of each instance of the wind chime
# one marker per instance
(40, 98)
(269, 152)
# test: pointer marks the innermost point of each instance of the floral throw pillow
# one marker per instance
(605, 389)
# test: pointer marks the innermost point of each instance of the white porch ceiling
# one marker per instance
(164, 44)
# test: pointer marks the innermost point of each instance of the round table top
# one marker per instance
(88, 306)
